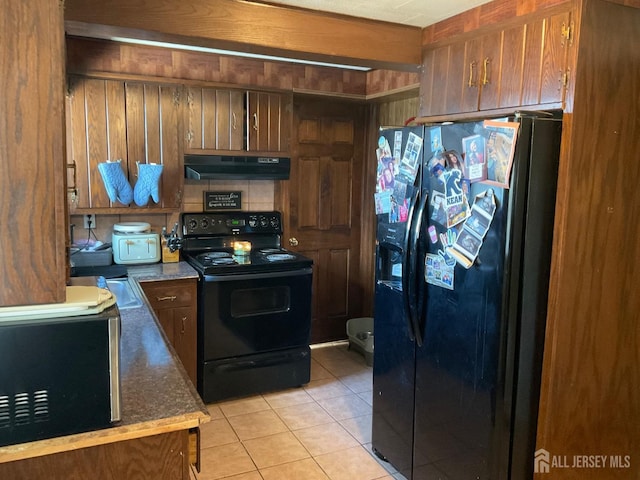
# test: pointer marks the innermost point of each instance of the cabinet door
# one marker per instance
(174, 303)
(545, 62)
(215, 119)
(472, 65)
(184, 338)
(438, 65)
(556, 40)
(152, 123)
(455, 78)
(490, 62)
(98, 133)
(268, 122)
(511, 65)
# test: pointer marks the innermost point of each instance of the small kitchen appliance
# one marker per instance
(134, 243)
(254, 304)
(59, 375)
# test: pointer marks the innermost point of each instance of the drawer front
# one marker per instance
(170, 294)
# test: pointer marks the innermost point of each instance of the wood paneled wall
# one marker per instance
(88, 56)
(383, 82)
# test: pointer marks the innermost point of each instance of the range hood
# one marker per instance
(221, 167)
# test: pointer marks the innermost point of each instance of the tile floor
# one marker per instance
(321, 431)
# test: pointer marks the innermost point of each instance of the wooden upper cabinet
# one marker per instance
(127, 121)
(518, 65)
(215, 119)
(269, 117)
(237, 121)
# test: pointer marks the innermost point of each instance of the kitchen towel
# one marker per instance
(115, 182)
(147, 184)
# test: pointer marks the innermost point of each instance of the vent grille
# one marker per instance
(5, 412)
(27, 408)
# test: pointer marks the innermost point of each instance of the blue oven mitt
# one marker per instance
(147, 184)
(115, 182)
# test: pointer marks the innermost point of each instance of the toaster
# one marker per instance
(134, 243)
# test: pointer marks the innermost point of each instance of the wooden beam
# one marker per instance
(251, 27)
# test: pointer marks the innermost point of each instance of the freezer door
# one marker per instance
(393, 385)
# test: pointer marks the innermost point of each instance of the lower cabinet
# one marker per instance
(158, 457)
(174, 303)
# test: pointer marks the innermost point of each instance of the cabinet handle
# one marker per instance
(233, 123)
(485, 74)
(255, 121)
(171, 298)
(184, 320)
(472, 66)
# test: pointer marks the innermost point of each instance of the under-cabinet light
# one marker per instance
(194, 48)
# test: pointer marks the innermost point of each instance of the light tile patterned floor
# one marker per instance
(321, 431)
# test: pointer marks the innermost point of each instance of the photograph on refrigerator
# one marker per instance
(500, 149)
(437, 272)
(474, 164)
(467, 245)
(411, 157)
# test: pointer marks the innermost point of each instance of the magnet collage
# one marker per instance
(458, 220)
(487, 157)
(395, 176)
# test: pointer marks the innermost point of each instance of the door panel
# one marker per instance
(319, 202)
(532, 72)
(554, 58)
(511, 66)
(489, 65)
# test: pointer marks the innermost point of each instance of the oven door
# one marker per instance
(243, 314)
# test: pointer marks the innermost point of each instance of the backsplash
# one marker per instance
(256, 195)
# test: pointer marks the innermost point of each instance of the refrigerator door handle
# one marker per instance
(406, 266)
(415, 281)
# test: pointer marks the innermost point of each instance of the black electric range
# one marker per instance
(254, 310)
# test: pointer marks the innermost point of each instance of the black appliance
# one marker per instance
(254, 309)
(58, 376)
(459, 338)
(205, 167)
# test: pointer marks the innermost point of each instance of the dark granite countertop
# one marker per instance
(162, 271)
(157, 395)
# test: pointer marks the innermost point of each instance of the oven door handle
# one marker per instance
(257, 276)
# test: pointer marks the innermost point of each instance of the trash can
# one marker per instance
(360, 333)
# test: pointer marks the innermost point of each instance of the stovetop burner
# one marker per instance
(280, 257)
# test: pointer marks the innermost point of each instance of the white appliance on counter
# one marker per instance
(134, 243)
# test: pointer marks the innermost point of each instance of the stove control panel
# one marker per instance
(232, 223)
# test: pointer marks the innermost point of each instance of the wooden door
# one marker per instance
(322, 207)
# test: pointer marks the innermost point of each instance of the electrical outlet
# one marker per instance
(89, 221)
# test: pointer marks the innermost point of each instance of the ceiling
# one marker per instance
(417, 13)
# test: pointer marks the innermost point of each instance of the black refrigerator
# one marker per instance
(465, 224)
